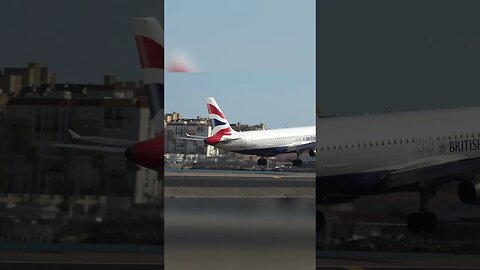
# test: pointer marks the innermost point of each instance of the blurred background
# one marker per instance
(239, 233)
(74, 65)
(386, 56)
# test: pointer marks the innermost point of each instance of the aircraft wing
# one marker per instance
(101, 140)
(98, 148)
(444, 167)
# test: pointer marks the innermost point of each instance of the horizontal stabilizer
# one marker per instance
(101, 140)
(195, 136)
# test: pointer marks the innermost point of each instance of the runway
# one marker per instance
(233, 184)
(325, 260)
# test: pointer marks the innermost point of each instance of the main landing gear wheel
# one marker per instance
(423, 221)
(297, 162)
(262, 162)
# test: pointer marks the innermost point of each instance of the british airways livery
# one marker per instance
(404, 151)
(263, 143)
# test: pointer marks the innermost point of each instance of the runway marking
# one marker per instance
(276, 177)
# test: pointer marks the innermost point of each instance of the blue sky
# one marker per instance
(257, 58)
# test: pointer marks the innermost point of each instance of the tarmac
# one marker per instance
(233, 184)
(324, 260)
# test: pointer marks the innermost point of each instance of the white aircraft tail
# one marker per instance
(220, 125)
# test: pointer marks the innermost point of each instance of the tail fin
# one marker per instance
(149, 38)
(219, 121)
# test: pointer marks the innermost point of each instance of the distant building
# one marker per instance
(10, 84)
(170, 117)
(33, 75)
(41, 114)
(177, 129)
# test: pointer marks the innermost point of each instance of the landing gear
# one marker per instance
(262, 162)
(423, 221)
(297, 162)
(311, 152)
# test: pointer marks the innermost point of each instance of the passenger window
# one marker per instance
(406, 140)
(401, 141)
(339, 147)
(394, 141)
(438, 138)
(376, 143)
(371, 144)
(383, 142)
(388, 142)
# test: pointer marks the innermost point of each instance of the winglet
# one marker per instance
(75, 136)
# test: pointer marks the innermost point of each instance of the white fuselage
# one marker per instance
(374, 143)
(270, 142)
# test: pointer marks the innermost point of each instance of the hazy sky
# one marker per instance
(256, 57)
(375, 56)
(79, 40)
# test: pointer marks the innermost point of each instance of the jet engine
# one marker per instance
(469, 191)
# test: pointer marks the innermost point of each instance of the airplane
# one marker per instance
(397, 152)
(148, 153)
(263, 143)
